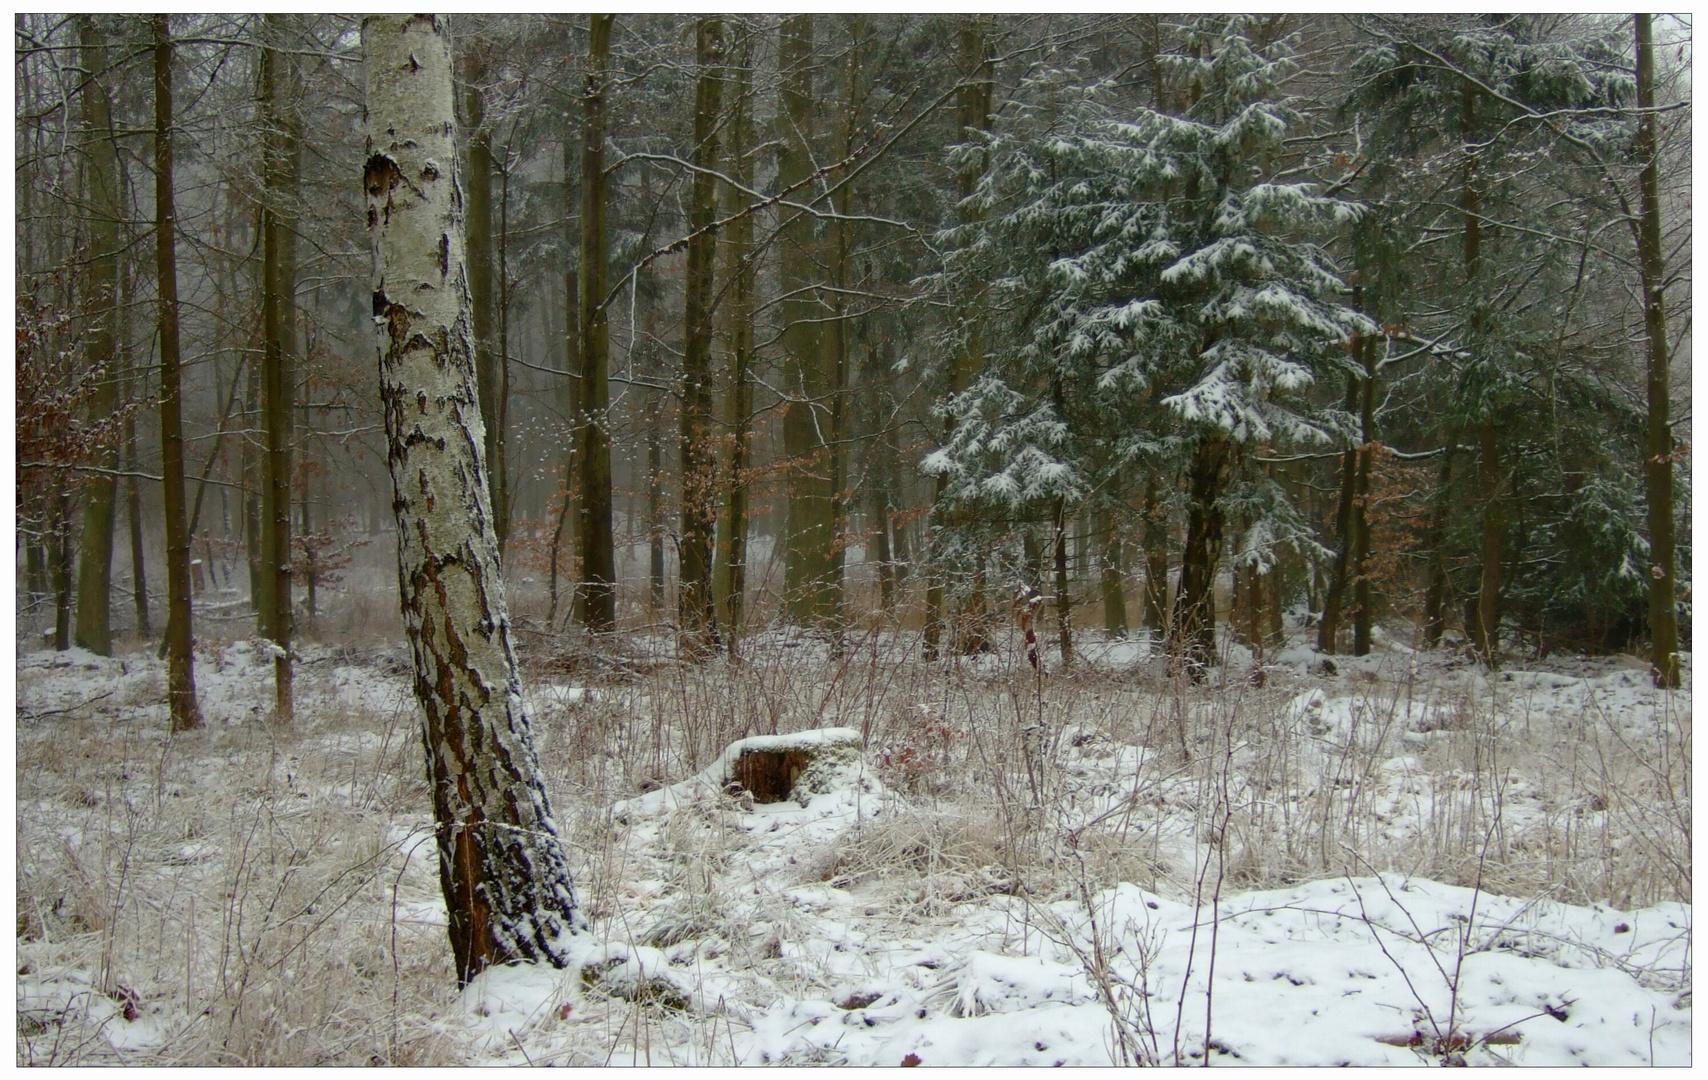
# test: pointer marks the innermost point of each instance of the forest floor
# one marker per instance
(1404, 861)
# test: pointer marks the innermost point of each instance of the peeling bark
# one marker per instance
(502, 867)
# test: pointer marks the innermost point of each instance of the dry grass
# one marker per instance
(259, 893)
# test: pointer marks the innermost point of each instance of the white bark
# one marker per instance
(506, 881)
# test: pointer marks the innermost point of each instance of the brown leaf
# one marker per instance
(910, 1061)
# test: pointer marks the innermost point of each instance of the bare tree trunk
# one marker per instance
(596, 600)
(1485, 634)
(1363, 604)
(1435, 593)
(655, 512)
(972, 109)
(133, 508)
(480, 262)
(281, 155)
(502, 868)
(809, 521)
(838, 341)
(1328, 630)
(733, 586)
(100, 361)
(1064, 589)
(570, 394)
(1110, 577)
(1156, 562)
(696, 611)
(1657, 460)
(63, 553)
(180, 672)
(1193, 630)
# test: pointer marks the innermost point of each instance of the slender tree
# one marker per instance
(696, 610)
(481, 288)
(281, 156)
(732, 585)
(101, 312)
(180, 658)
(502, 868)
(596, 600)
(1658, 451)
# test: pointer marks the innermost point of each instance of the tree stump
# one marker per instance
(769, 775)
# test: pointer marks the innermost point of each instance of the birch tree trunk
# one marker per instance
(180, 659)
(501, 864)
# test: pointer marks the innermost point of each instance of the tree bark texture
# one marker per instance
(502, 867)
(1156, 562)
(180, 658)
(1064, 587)
(1328, 629)
(100, 315)
(1363, 603)
(596, 600)
(973, 102)
(1111, 577)
(809, 529)
(1193, 636)
(1485, 634)
(481, 290)
(696, 612)
(280, 165)
(1657, 459)
(732, 586)
(1435, 593)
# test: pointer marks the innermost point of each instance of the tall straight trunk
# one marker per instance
(1485, 626)
(481, 292)
(180, 660)
(569, 401)
(281, 156)
(732, 585)
(310, 570)
(1110, 576)
(1156, 562)
(809, 526)
(1193, 629)
(254, 484)
(1363, 604)
(1435, 592)
(655, 512)
(1486, 633)
(133, 508)
(695, 608)
(502, 868)
(1345, 526)
(62, 553)
(100, 361)
(838, 341)
(596, 600)
(972, 112)
(1657, 459)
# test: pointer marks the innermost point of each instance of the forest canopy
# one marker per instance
(1371, 321)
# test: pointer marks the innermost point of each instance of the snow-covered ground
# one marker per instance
(1402, 862)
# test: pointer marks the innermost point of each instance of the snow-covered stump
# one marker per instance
(770, 768)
